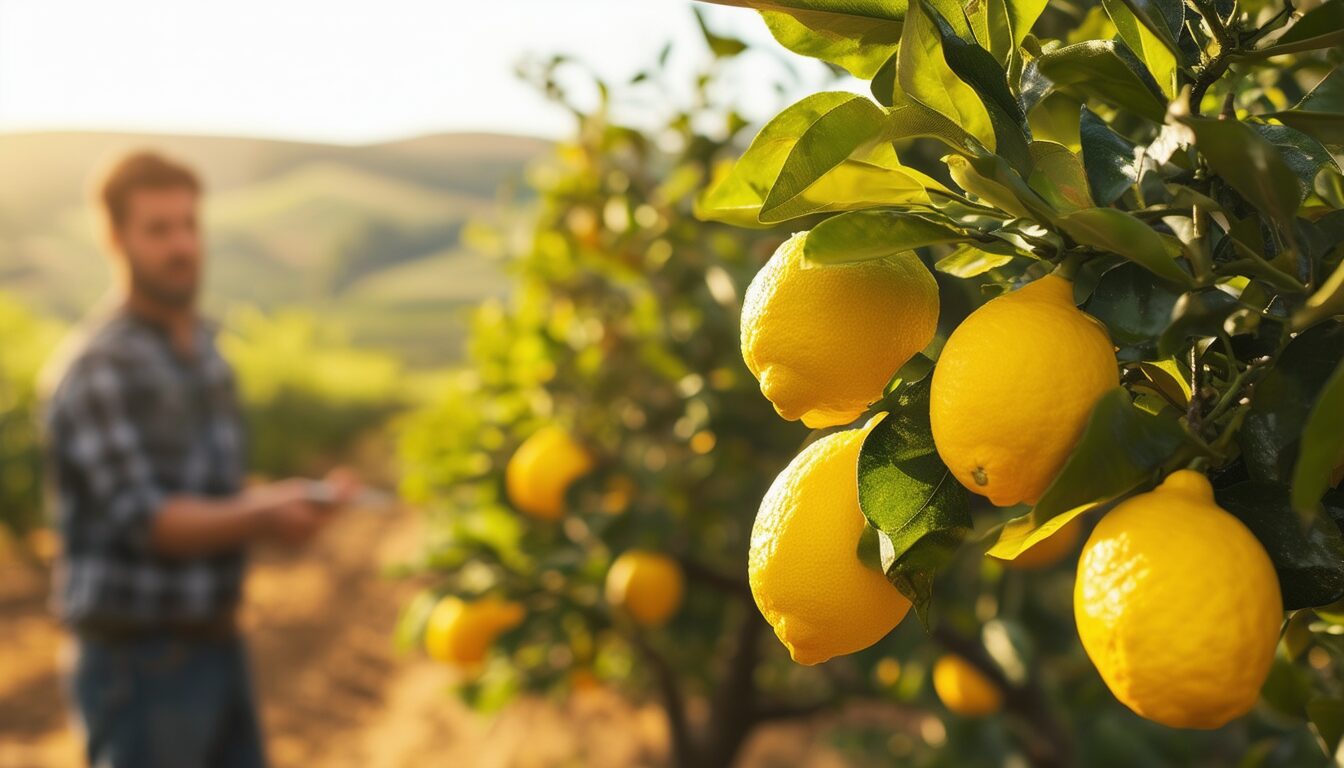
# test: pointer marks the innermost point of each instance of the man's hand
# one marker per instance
(294, 511)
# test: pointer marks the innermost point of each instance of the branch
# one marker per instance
(697, 571)
(673, 701)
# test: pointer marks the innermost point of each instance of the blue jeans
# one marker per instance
(166, 702)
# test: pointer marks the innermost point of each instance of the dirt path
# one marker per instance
(335, 694)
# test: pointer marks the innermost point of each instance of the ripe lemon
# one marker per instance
(460, 632)
(823, 341)
(1049, 551)
(647, 585)
(1014, 387)
(1178, 606)
(804, 566)
(542, 469)
(964, 689)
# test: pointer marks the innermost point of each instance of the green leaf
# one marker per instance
(1322, 448)
(982, 72)
(1110, 159)
(1328, 300)
(1199, 314)
(1303, 154)
(1249, 164)
(722, 47)
(1097, 69)
(1135, 309)
(1321, 27)
(1057, 175)
(1310, 562)
(911, 497)
(883, 10)
(1121, 448)
(968, 261)
(924, 75)
(1114, 231)
(870, 178)
(835, 136)
(865, 235)
(1321, 112)
(1009, 22)
(1282, 400)
(1150, 39)
(858, 44)
(990, 178)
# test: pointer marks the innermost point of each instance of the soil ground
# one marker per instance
(335, 693)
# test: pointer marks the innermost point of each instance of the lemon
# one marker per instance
(887, 672)
(460, 632)
(1014, 387)
(823, 341)
(963, 689)
(1178, 606)
(1050, 550)
(647, 585)
(804, 566)
(542, 469)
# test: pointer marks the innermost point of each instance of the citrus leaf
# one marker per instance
(1197, 314)
(969, 261)
(1321, 112)
(910, 496)
(722, 47)
(1249, 163)
(1109, 158)
(1122, 447)
(1309, 562)
(1103, 70)
(925, 76)
(1321, 27)
(1151, 39)
(831, 139)
(858, 44)
(1057, 175)
(1114, 231)
(1134, 307)
(1322, 448)
(1282, 400)
(1303, 154)
(865, 235)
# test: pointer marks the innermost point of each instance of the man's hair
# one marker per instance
(136, 171)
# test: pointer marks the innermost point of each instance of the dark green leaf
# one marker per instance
(1303, 154)
(1322, 449)
(1121, 448)
(1321, 27)
(1249, 163)
(1196, 314)
(1114, 231)
(1109, 158)
(1282, 400)
(1097, 69)
(1310, 563)
(1321, 112)
(1135, 309)
(864, 235)
(910, 496)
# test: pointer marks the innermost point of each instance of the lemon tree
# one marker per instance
(1133, 213)
(600, 463)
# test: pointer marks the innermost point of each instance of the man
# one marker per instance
(146, 451)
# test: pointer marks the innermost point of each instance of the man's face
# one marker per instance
(161, 244)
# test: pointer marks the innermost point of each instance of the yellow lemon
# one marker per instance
(460, 632)
(542, 469)
(964, 689)
(804, 566)
(647, 585)
(1050, 550)
(824, 340)
(1178, 606)
(1014, 387)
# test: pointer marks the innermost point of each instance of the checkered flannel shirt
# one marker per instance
(130, 423)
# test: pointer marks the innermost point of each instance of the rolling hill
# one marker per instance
(367, 237)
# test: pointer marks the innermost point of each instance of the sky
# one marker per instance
(347, 72)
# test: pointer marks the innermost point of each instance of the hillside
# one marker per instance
(368, 236)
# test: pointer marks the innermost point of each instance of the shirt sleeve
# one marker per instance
(104, 448)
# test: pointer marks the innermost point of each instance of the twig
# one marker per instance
(697, 571)
(673, 701)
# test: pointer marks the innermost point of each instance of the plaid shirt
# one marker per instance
(130, 423)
